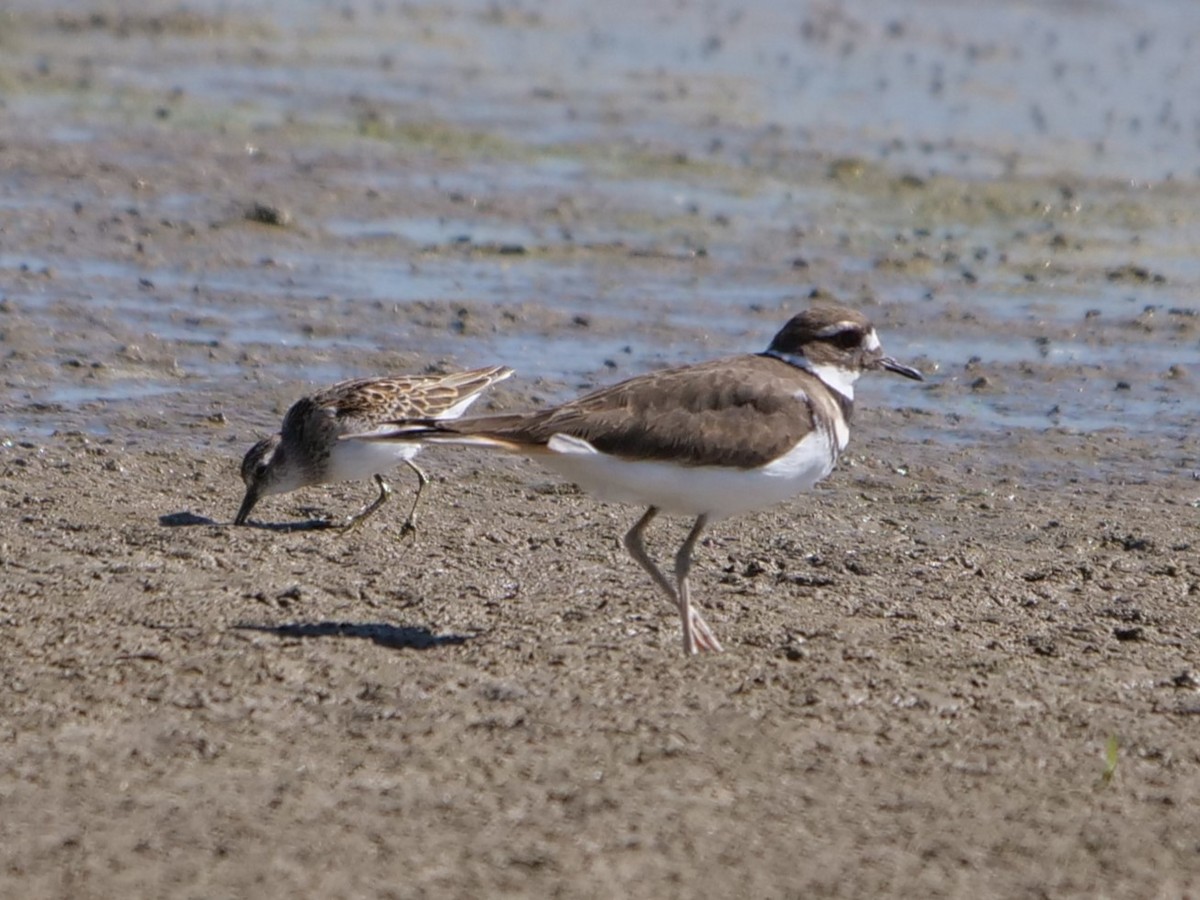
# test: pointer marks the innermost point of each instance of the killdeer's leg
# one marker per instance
(410, 524)
(633, 543)
(385, 491)
(701, 635)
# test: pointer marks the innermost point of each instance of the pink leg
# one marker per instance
(697, 635)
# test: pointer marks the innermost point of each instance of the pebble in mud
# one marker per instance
(268, 214)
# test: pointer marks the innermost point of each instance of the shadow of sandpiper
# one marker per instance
(186, 519)
(396, 637)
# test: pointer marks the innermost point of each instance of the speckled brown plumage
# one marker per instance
(307, 448)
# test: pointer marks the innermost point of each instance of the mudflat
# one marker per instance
(964, 665)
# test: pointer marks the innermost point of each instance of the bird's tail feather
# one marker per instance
(477, 431)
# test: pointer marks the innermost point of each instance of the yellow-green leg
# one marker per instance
(410, 524)
(385, 491)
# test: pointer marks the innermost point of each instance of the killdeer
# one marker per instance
(709, 440)
(307, 450)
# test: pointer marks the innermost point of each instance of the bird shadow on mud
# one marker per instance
(396, 637)
(186, 518)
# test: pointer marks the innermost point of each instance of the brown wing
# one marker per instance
(371, 401)
(743, 411)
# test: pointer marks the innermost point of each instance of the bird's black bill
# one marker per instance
(907, 371)
(248, 502)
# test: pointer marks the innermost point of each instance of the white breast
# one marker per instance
(353, 460)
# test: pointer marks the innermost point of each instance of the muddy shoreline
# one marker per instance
(965, 664)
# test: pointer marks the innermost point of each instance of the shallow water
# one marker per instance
(1010, 190)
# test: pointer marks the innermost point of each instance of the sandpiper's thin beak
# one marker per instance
(248, 502)
(907, 371)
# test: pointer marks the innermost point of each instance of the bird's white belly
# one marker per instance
(691, 490)
(354, 460)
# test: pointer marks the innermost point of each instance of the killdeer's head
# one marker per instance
(835, 344)
(266, 471)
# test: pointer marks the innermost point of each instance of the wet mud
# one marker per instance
(965, 664)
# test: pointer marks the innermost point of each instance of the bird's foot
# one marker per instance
(703, 640)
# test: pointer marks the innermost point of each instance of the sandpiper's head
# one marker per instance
(265, 471)
(837, 345)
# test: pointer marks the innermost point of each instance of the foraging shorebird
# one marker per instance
(307, 449)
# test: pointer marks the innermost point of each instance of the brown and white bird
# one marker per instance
(307, 450)
(709, 440)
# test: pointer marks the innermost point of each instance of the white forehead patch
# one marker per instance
(872, 341)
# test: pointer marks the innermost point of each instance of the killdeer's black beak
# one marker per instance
(248, 502)
(907, 371)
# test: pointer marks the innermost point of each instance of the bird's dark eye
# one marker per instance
(847, 339)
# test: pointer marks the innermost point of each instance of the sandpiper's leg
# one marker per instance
(694, 624)
(385, 491)
(410, 524)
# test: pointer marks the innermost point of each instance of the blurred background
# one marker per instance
(206, 203)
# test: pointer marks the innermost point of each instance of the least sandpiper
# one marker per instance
(708, 441)
(307, 450)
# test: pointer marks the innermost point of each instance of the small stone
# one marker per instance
(268, 214)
